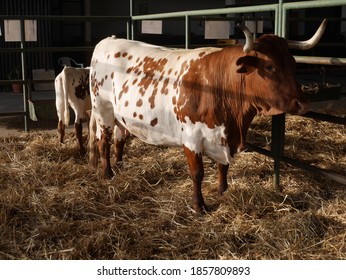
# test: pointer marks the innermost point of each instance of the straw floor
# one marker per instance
(53, 205)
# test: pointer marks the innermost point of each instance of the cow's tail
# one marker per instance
(60, 107)
(92, 146)
(59, 96)
(66, 117)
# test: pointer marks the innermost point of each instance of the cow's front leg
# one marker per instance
(222, 177)
(197, 173)
(78, 127)
(104, 150)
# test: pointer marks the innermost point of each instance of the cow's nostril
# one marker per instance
(299, 107)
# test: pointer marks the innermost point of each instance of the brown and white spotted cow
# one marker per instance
(203, 99)
(72, 88)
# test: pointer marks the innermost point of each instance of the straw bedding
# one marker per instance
(53, 205)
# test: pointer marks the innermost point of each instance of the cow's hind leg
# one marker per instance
(104, 150)
(197, 173)
(222, 177)
(61, 131)
(92, 147)
(119, 149)
(120, 136)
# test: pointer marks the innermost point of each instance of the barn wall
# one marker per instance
(67, 34)
(34, 60)
(118, 8)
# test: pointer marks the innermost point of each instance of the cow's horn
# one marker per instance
(308, 44)
(249, 45)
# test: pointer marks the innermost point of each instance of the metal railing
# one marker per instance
(188, 14)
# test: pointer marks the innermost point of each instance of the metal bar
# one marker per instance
(130, 22)
(9, 82)
(278, 17)
(313, 169)
(131, 8)
(237, 18)
(246, 9)
(321, 60)
(278, 122)
(313, 4)
(47, 49)
(67, 18)
(258, 150)
(276, 20)
(9, 114)
(277, 145)
(284, 29)
(23, 60)
(325, 117)
(187, 32)
(323, 172)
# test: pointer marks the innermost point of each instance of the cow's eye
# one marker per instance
(269, 68)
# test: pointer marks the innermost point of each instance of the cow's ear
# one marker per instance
(247, 64)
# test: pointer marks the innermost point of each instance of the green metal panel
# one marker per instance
(247, 9)
(314, 4)
(321, 60)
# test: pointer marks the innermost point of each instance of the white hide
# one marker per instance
(168, 131)
(65, 88)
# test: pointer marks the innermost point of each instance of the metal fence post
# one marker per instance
(24, 76)
(277, 145)
(187, 32)
(278, 122)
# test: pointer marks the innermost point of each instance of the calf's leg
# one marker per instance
(78, 126)
(61, 131)
(197, 173)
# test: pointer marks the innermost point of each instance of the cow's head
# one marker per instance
(269, 69)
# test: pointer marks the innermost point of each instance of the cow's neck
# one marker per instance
(234, 109)
(218, 95)
(236, 130)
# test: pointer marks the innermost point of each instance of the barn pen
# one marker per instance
(53, 206)
(280, 10)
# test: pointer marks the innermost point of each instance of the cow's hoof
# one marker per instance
(279, 188)
(221, 189)
(108, 174)
(200, 208)
(82, 151)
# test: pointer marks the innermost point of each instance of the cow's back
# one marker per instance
(142, 83)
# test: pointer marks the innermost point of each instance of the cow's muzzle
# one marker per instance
(298, 107)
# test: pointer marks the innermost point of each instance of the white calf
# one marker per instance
(72, 88)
